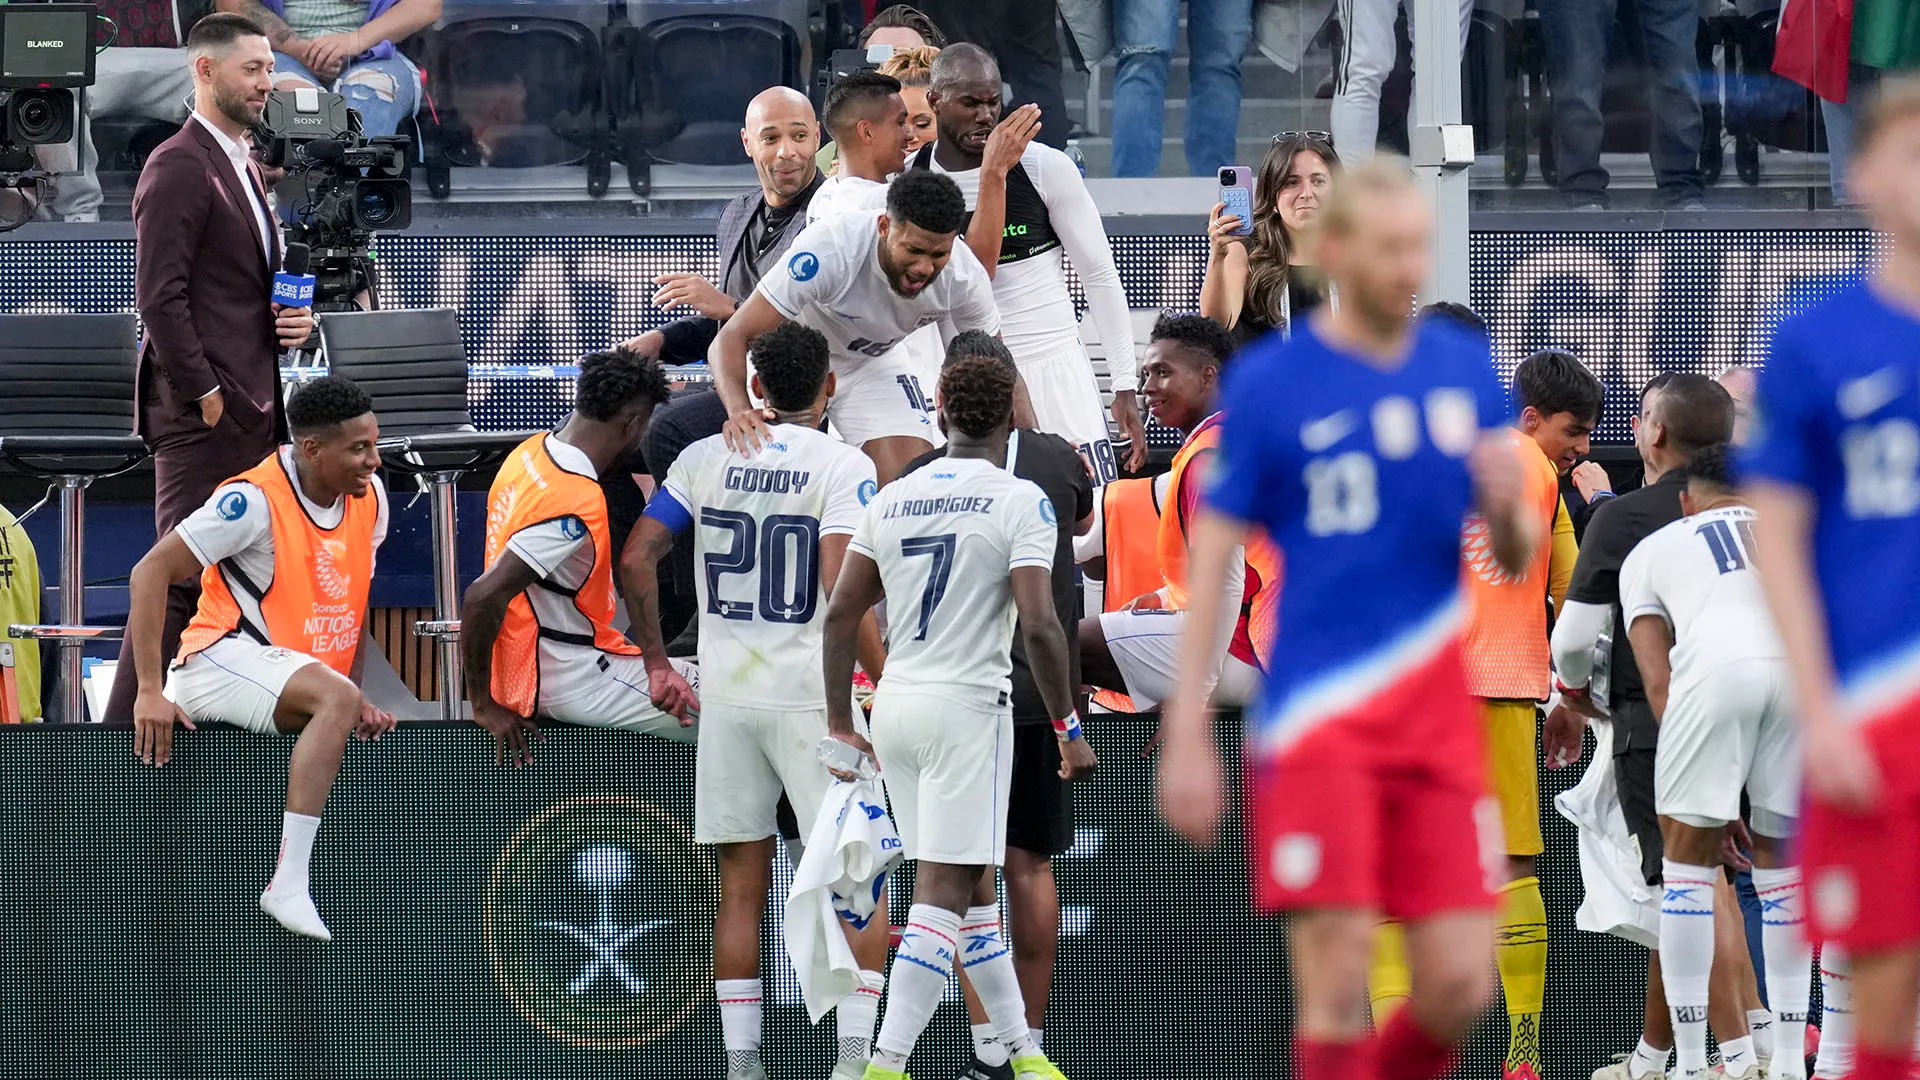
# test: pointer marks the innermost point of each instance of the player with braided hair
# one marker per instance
(537, 634)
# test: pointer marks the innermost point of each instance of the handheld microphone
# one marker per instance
(293, 287)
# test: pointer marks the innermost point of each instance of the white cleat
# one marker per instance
(296, 912)
(849, 1070)
(1621, 1069)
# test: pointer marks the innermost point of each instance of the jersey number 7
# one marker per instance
(941, 548)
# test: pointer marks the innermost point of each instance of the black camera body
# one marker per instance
(346, 186)
(354, 184)
(46, 53)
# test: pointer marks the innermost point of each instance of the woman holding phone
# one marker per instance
(1259, 275)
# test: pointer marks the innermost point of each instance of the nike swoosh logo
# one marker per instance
(1317, 435)
(1862, 397)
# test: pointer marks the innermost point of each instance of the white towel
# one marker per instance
(1617, 898)
(841, 878)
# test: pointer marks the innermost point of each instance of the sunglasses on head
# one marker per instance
(1307, 136)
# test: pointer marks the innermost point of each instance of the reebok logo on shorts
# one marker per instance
(1296, 860)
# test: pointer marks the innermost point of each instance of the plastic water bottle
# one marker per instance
(845, 757)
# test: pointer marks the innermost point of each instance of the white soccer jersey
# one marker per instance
(843, 194)
(757, 524)
(831, 281)
(1699, 575)
(1030, 284)
(235, 524)
(946, 538)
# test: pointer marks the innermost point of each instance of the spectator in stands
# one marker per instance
(1143, 36)
(904, 27)
(1369, 48)
(1266, 279)
(914, 69)
(1022, 37)
(144, 74)
(346, 46)
(1577, 33)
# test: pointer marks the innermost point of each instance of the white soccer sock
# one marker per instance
(1036, 1033)
(921, 967)
(1648, 1061)
(1686, 958)
(1740, 1054)
(988, 958)
(740, 1021)
(855, 1014)
(296, 848)
(1836, 1029)
(987, 1046)
(1760, 1026)
(1789, 961)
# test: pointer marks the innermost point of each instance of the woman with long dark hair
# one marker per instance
(1265, 280)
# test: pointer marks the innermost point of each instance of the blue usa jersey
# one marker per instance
(1838, 414)
(1360, 477)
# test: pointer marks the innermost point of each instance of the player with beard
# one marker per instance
(1031, 213)
(1359, 445)
(284, 552)
(865, 281)
(867, 117)
(1832, 471)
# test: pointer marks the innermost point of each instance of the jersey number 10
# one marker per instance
(788, 557)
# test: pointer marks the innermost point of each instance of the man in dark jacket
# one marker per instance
(781, 135)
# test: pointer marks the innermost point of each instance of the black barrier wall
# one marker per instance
(1630, 304)
(555, 922)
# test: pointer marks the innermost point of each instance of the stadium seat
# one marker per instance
(412, 364)
(685, 70)
(67, 418)
(517, 85)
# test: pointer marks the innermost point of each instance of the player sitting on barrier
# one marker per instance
(285, 554)
(537, 632)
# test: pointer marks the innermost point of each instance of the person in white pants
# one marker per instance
(1366, 58)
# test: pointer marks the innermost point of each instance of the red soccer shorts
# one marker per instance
(1381, 808)
(1863, 870)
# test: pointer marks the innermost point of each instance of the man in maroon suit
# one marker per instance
(205, 250)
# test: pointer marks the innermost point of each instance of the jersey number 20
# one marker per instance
(788, 556)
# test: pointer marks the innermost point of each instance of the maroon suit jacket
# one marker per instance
(205, 295)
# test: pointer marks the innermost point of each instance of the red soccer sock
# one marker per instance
(1408, 1053)
(1315, 1060)
(1872, 1063)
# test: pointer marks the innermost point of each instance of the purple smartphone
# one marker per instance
(1236, 190)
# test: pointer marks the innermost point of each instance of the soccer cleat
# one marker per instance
(1622, 1069)
(756, 1071)
(849, 1070)
(296, 912)
(1035, 1067)
(980, 1070)
(1518, 1070)
(875, 1072)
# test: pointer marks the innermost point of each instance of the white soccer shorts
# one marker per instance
(746, 758)
(1146, 648)
(946, 767)
(609, 690)
(1731, 729)
(235, 680)
(881, 398)
(1066, 402)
